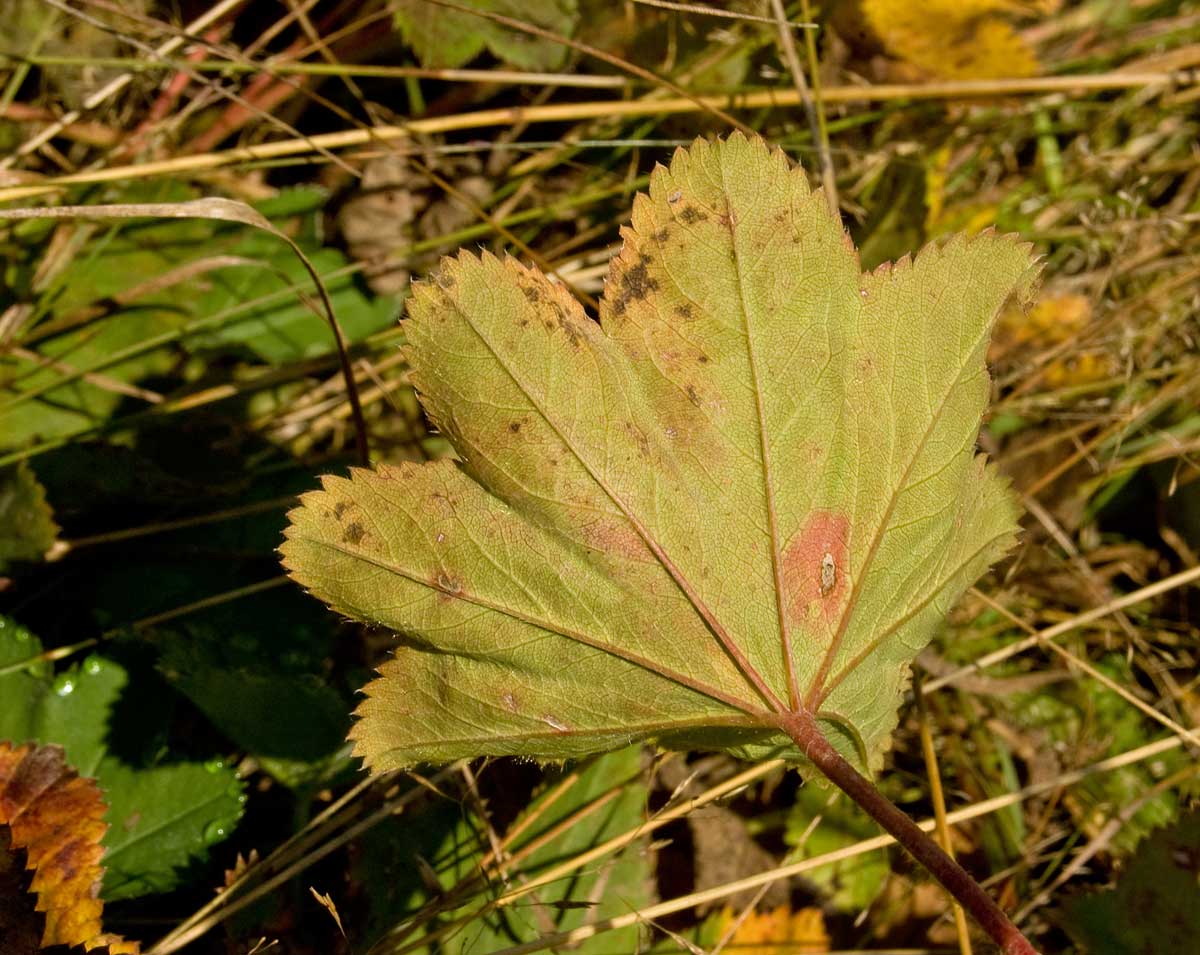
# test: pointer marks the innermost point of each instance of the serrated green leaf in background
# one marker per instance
(442, 37)
(27, 528)
(161, 818)
(265, 711)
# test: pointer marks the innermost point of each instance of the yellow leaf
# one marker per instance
(779, 930)
(956, 39)
(1052, 322)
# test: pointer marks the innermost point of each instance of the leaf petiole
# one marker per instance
(803, 730)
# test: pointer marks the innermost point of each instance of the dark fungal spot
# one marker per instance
(690, 215)
(692, 394)
(533, 293)
(353, 534)
(340, 508)
(636, 285)
(568, 327)
(662, 235)
(514, 427)
(703, 359)
(685, 311)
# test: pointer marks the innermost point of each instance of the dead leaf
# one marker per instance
(777, 931)
(56, 820)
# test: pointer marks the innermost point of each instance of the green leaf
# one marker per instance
(289, 330)
(1085, 716)
(161, 278)
(1155, 906)
(291, 716)
(852, 884)
(161, 818)
(443, 37)
(27, 528)
(750, 493)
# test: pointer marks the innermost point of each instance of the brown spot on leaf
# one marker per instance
(353, 533)
(340, 508)
(814, 568)
(690, 215)
(555, 723)
(514, 427)
(702, 358)
(616, 538)
(662, 235)
(636, 285)
(693, 395)
(533, 293)
(684, 310)
(568, 326)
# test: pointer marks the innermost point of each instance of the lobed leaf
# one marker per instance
(750, 490)
(54, 819)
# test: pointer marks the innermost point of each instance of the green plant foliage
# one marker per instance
(267, 712)
(27, 528)
(852, 884)
(143, 294)
(1155, 906)
(751, 489)
(444, 37)
(606, 799)
(1085, 716)
(287, 330)
(162, 817)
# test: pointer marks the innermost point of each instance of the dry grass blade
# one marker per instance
(975, 811)
(560, 112)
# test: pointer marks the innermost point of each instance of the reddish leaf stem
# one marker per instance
(804, 731)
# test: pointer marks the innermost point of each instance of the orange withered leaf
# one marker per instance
(54, 819)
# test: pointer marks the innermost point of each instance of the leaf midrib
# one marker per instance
(621, 729)
(548, 626)
(764, 457)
